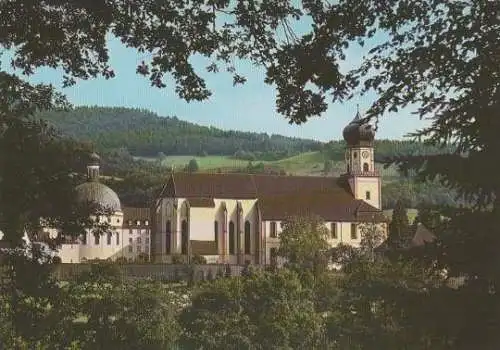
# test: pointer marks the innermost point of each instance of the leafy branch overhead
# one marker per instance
(426, 53)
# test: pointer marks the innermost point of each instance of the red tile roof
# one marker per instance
(332, 205)
(201, 203)
(244, 186)
(278, 196)
(134, 214)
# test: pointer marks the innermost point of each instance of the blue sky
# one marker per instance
(250, 107)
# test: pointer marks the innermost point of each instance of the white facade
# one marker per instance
(123, 241)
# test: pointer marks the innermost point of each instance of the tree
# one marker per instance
(399, 228)
(303, 243)
(192, 166)
(262, 311)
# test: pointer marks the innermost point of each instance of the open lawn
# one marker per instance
(307, 163)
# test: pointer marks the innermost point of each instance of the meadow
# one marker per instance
(307, 163)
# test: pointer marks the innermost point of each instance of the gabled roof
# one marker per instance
(331, 205)
(245, 186)
(201, 203)
(278, 196)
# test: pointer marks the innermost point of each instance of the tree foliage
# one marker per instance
(399, 228)
(143, 133)
(263, 311)
(303, 243)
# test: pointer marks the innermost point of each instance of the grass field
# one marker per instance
(307, 163)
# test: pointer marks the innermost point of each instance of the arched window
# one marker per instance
(366, 167)
(231, 238)
(168, 234)
(273, 229)
(216, 234)
(247, 237)
(184, 237)
(96, 238)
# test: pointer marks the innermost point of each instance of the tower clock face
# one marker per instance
(364, 154)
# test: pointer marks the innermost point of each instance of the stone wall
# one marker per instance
(158, 272)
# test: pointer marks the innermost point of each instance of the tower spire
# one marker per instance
(358, 115)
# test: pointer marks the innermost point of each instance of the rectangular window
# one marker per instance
(368, 195)
(108, 238)
(333, 229)
(117, 238)
(130, 249)
(354, 231)
(146, 240)
(138, 240)
(84, 238)
(273, 229)
(96, 239)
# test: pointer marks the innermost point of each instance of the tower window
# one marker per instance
(366, 167)
(368, 195)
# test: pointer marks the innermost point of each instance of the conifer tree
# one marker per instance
(399, 228)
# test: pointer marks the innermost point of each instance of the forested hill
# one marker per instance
(144, 133)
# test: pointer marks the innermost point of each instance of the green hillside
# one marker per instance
(144, 133)
(307, 163)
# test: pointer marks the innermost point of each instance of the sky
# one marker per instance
(249, 107)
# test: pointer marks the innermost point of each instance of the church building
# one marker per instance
(128, 237)
(236, 218)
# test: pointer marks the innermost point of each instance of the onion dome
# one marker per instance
(94, 159)
(95, 192)
(358, 132)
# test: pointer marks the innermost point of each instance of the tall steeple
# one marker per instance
(360, 160)
(93, 167)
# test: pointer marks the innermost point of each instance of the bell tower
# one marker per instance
(362, 176)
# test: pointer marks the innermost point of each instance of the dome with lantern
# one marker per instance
(95, 192)
(359, 132)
